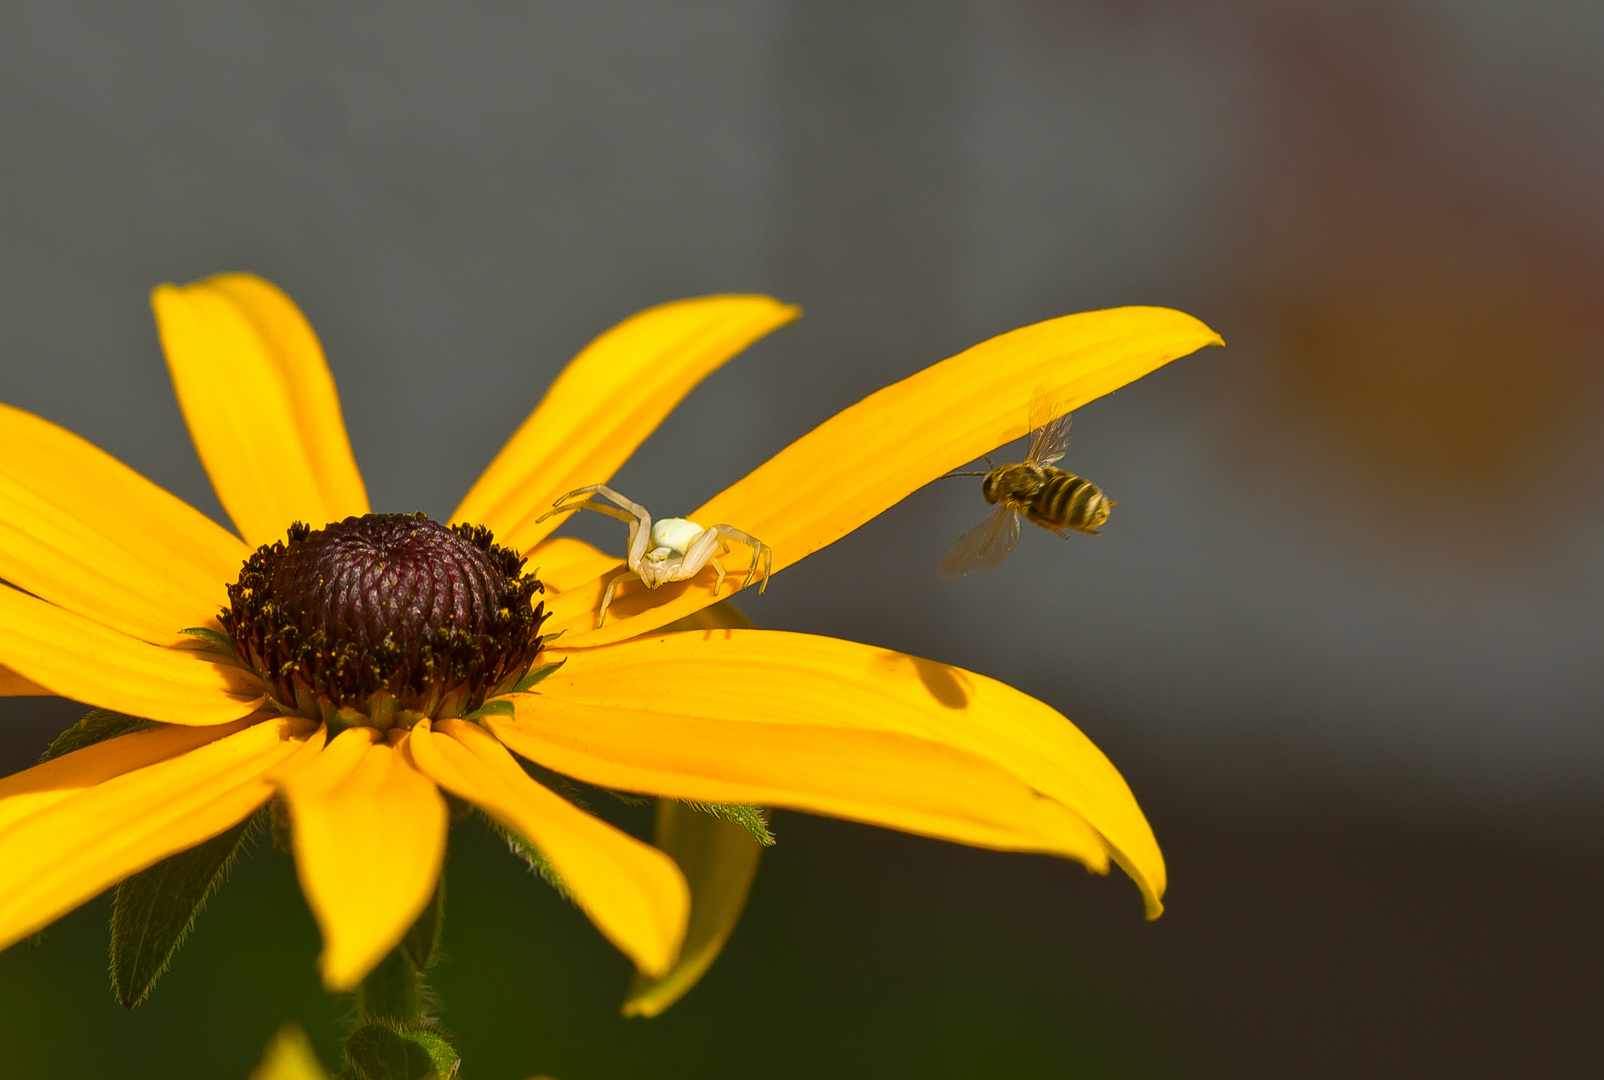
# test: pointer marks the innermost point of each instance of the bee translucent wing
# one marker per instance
(983, 547)
(1047, 444)
(1049, 433)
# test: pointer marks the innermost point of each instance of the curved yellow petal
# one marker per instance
(719, 859)
(369, 832)
(14, 685)
(768, 676)
(634, 893)
(54, 859)
(563, 563)
(604, 404)
(260, 404)
(868, 457)
(88, 662)
(31, 790)
(878, 777)
(54, 555)
(112, 520)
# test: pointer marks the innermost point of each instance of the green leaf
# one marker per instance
(220, 642)
(424, 937)
(719, 860)
(534, 676)
(380, 1052)
(154, 910)
(97, 726)
(750, 818)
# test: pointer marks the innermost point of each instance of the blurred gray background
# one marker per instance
(1341, 634)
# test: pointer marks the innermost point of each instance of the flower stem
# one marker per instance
(392, 1038)
(392, 991)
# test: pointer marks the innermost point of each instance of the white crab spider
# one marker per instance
(670, 549)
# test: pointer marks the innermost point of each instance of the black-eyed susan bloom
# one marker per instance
(358, 665)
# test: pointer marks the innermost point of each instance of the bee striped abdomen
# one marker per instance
(1067, 501)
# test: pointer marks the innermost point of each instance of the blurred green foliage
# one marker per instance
(862, 954)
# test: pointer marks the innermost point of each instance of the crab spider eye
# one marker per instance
(675, 534)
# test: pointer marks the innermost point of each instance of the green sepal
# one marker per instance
(530, 854)
(719, 861)
(556, 781)
(750, 818)
(629, 798)
(155, 909)
(424, 937)
(98, 725)
(493, 707)
(441, 1052)
(279, 826)
(220, 642)
(533, 676)
(380, 1052)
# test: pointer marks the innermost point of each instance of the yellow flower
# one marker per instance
(106, 570)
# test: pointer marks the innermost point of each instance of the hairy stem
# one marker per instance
(393, 991)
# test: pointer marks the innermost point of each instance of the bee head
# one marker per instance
(988, 486)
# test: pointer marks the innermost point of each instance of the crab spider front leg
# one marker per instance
(640, 522)
(607, 596)
(673, 549)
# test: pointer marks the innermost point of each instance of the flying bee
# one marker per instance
(1045, 495)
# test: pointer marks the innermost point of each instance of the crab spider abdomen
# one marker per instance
(676, 534)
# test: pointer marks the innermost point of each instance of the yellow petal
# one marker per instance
(88, 662)
(290, 1057)
(31, 790)
(634, 893)
(57, 557)
(14, 685)
(604, 404)
(370, 835)
(562, 563)
(260, 404)
(122, 525)
(766, 676)
(719, 859)
(872, 455)
(872, 776)
(56, 858)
